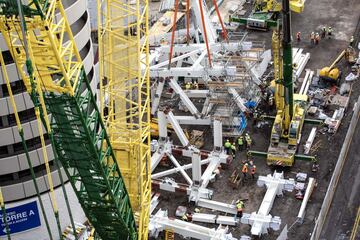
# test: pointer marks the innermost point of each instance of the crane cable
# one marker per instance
(21, 133)
(3, 209)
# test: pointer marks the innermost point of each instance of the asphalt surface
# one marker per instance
(344, 207)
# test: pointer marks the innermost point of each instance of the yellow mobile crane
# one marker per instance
(289, 119)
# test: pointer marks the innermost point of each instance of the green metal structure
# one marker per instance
(77, 131)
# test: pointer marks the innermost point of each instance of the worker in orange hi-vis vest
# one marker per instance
(253, 171)
(244, 170)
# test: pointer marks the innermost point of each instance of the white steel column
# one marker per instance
(218, 140)
(159, 89)
(238, 100)
(162, 125)
(196, 167)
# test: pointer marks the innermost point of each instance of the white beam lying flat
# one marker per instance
(179, 132)
(159, 89)
(309, 189)
(212, 218)
(160, 222)
(184, 98)
(262, 220)
(175, 170)
(182, 171)
(310, 140)
(218, 206)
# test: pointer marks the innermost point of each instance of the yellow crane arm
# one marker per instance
(337, 59)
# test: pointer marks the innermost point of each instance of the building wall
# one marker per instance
(15, 178)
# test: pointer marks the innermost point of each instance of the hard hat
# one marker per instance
(246, 164)
(227, 140)
(329, 27)
(254, 166)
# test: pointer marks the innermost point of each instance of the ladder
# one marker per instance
(43, 48)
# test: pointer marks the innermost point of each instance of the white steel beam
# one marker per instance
(162, 125)
(175, 170)
(262, 220)
(154, 202)
(199, 72)
(160, 222)
(197, 93)
(175, 59)
(218, 206)
(213, 165)
(218, 139)
(212, 218)
(156, 158)
(196, 167)
(310, 140)
(182, 171)
(159, 89)
(184, 98)
(179, 132)
(309, 189)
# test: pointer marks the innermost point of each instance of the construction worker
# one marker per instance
(317, 38)
(227, 146)
(187, 217)
(233, 149)
(253, 171)
(330, 30)
(248, 140)
(323, 32)
(241, 143)
(298, 36)
(244, 170)
(239, 207)
(197, 210)
(312, 38)
(188, 86)
(352, 40)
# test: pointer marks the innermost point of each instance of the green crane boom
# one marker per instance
(55, 77)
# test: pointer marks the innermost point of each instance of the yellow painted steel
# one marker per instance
(51, 43)
(124, 96)
(41, 133)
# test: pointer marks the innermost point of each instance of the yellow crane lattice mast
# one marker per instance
(124, 96)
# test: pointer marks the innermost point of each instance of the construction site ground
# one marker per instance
(343, 17)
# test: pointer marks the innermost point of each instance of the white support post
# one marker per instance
(218, 139)
(182, 171)
(196, 168)
(184, 98)
(162, 125)
(159, 89)
(179, 132)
